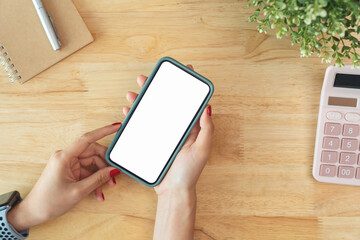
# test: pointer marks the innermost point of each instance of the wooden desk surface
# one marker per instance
(257, 183)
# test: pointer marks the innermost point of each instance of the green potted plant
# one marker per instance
(329, 28)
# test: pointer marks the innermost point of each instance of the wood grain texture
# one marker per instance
(257, 183)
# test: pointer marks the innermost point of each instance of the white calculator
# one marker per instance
(337, 146)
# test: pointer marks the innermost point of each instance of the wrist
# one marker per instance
(173, 190)
(184, 199)
(175, 216)
(20, 217)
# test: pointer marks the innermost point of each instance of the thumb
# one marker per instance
(97, 179)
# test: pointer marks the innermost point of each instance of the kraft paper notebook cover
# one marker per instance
(25, 50)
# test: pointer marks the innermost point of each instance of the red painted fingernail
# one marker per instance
(114, 172)
(117, 123)
(209, 110)
(113, 179)
(102, 194)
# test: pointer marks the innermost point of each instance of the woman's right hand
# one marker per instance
(190, 161)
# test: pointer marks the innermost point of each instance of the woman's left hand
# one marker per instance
(66, 180)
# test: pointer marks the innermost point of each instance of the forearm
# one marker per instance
(175, 216)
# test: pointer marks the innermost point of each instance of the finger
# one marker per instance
(81, 144)
(131, 97)
(126, 110)
(84, 173)
(99, 163)
(96, 180)
(94, 149)
(190, 66)
(193, 135)
(99, 194)
(203, 140)
(141, 79)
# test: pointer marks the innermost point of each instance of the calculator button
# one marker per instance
(346, 172)
(329, 157)
(333, 115)
(331, 143)
(347, 158)
(352, 117)
(351, 130)
(327, 170)
(349, 144)
(357, 173)
(332, 129)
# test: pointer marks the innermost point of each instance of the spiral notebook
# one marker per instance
(25, 50)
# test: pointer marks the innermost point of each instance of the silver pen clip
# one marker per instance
(53, 25)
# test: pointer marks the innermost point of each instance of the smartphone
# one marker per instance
(160, 120)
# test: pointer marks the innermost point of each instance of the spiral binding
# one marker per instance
(5, 62)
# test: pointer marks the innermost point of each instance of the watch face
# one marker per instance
(8, 198)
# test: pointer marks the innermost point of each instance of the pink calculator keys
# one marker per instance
(349, 144)
(331, 143)
(327, 170)
(340, 153)
(347, 158)
(346, 172)
(351, 130)
(332, 129)
(329, 157)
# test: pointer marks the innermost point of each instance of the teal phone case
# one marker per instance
(138, 99)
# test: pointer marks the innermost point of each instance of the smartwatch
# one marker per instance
(7, 232)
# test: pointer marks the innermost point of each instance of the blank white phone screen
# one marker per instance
(159, 121)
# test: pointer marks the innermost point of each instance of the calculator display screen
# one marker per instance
(347, 80)
(344, 102)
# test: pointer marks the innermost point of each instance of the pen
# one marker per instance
(48, 24)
